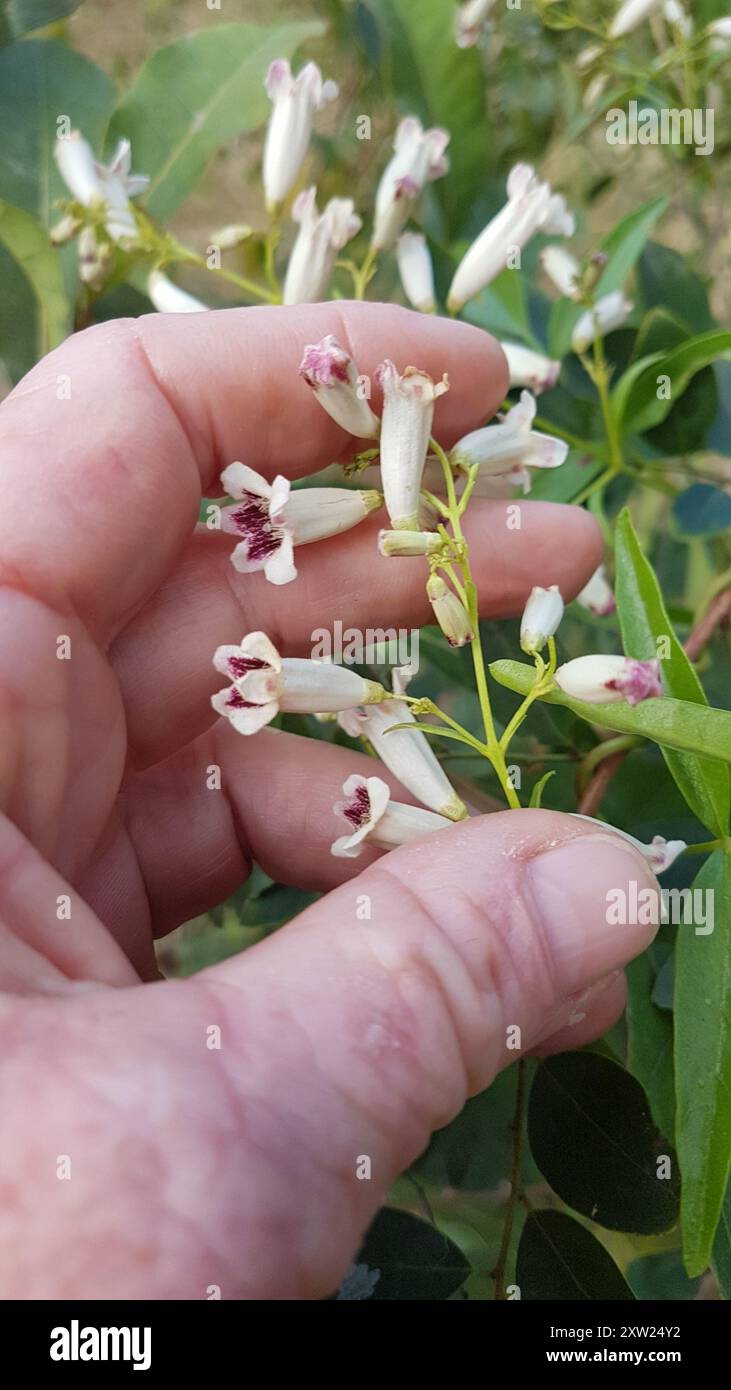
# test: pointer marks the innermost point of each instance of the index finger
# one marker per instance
(108, 444)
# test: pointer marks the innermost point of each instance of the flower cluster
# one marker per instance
(423, 489)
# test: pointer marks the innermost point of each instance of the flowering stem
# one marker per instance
(182, 254)
(607, 749)
(543, 683)
(601, 376)
(492, 747)
(363, 275)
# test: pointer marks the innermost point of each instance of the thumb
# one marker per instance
(366, 1023)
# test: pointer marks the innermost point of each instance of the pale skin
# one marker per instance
(340, 1037)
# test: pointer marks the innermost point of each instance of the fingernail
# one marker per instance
(599, 903)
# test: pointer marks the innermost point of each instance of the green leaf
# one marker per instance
(666, 281)
(22, 16)
(413, 1259)
(193, 95)
(703, 510)
(722, 1247)
(41, 80)
(702, 1015)
(650, 1044)
(558, 1258)
(443, 85)
(565, 315)
(593, 1138)
(502, 309)
(625, 244)
(27, 241)
(473, 1153)
(671, 723)
(661, 1277)
(643, 619)
(536, 795)
(635, 396)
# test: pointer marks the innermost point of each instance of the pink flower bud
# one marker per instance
(603, 680)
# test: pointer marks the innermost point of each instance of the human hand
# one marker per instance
(236, 1167)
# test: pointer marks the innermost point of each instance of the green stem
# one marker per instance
(492, 746)
(364, 274)
(607, 749)
(517, 1128)
(182, 255)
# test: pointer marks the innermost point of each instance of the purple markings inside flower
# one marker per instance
(325, 363)
(252, 521)
(358, 809)
(640, 680)
(235, 700)
(239, 665)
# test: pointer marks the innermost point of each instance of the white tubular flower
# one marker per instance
(295, 101)
(719, 34)
(320, 237)
(408, 542)
(530, 369)
(597, 595)
(562, 269)
(264, 683)
(449, 612)
(406, 753)
(660, 853)
(541, 617)
(471, 21)
(271, 520)
(676, 17)
(416, 271)
(169, 298)
(630, 14)
(371, 815)
(334, 378)
(531, 207)
(512, 447)
(604, 680)
(609, 312)
(91, 182)
(419, 156)
(408, 410)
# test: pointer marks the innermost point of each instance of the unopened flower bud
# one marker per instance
(228, 238)
(541, 616)
(65, 230)
(294, 103)
(416, 271)
(449, 611)
(408, 542)
(408, 409)
(608, 314)
(562, 269)
(530, 369)
(630, 14)
(597, 594)
(601, 680)
(169, 298)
